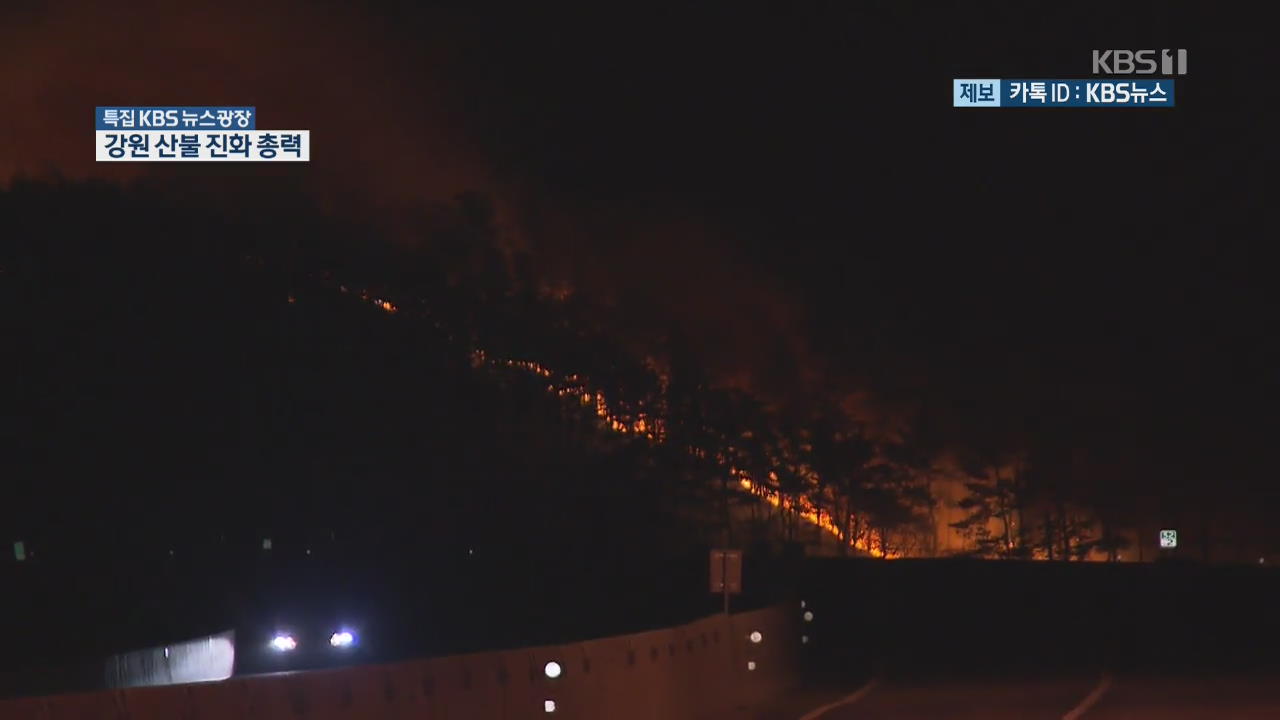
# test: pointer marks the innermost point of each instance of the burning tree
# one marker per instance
(994, 506)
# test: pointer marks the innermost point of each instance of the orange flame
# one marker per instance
(653, 430)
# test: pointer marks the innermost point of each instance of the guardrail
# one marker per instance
(678, 673)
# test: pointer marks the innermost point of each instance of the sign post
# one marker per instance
(726, 574)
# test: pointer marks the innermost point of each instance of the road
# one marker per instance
(1170, 697)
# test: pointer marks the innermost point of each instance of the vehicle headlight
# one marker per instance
(342, 638)
(284, 643)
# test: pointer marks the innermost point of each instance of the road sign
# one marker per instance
(19, 551)
(1168, 539)
(726, 571)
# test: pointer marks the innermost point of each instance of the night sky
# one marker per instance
(788, 185)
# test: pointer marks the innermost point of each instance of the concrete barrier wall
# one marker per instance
(680, 673)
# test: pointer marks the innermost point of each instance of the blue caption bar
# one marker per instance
(118, 117)
(1062, 93)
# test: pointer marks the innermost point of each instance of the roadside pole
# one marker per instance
(726, 574)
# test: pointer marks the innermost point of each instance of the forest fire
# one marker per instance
(860, 535)
(572, 386)
(652, 429)
(867, 543)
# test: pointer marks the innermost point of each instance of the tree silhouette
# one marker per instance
(840, 456)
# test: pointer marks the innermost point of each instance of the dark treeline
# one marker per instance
(186, 382)
(200, 376)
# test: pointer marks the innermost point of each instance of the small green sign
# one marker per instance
(20, 551)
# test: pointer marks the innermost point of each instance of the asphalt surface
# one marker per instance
(1241, 697)
(1169, 697)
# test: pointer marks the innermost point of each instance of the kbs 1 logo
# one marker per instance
(1139, 62)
